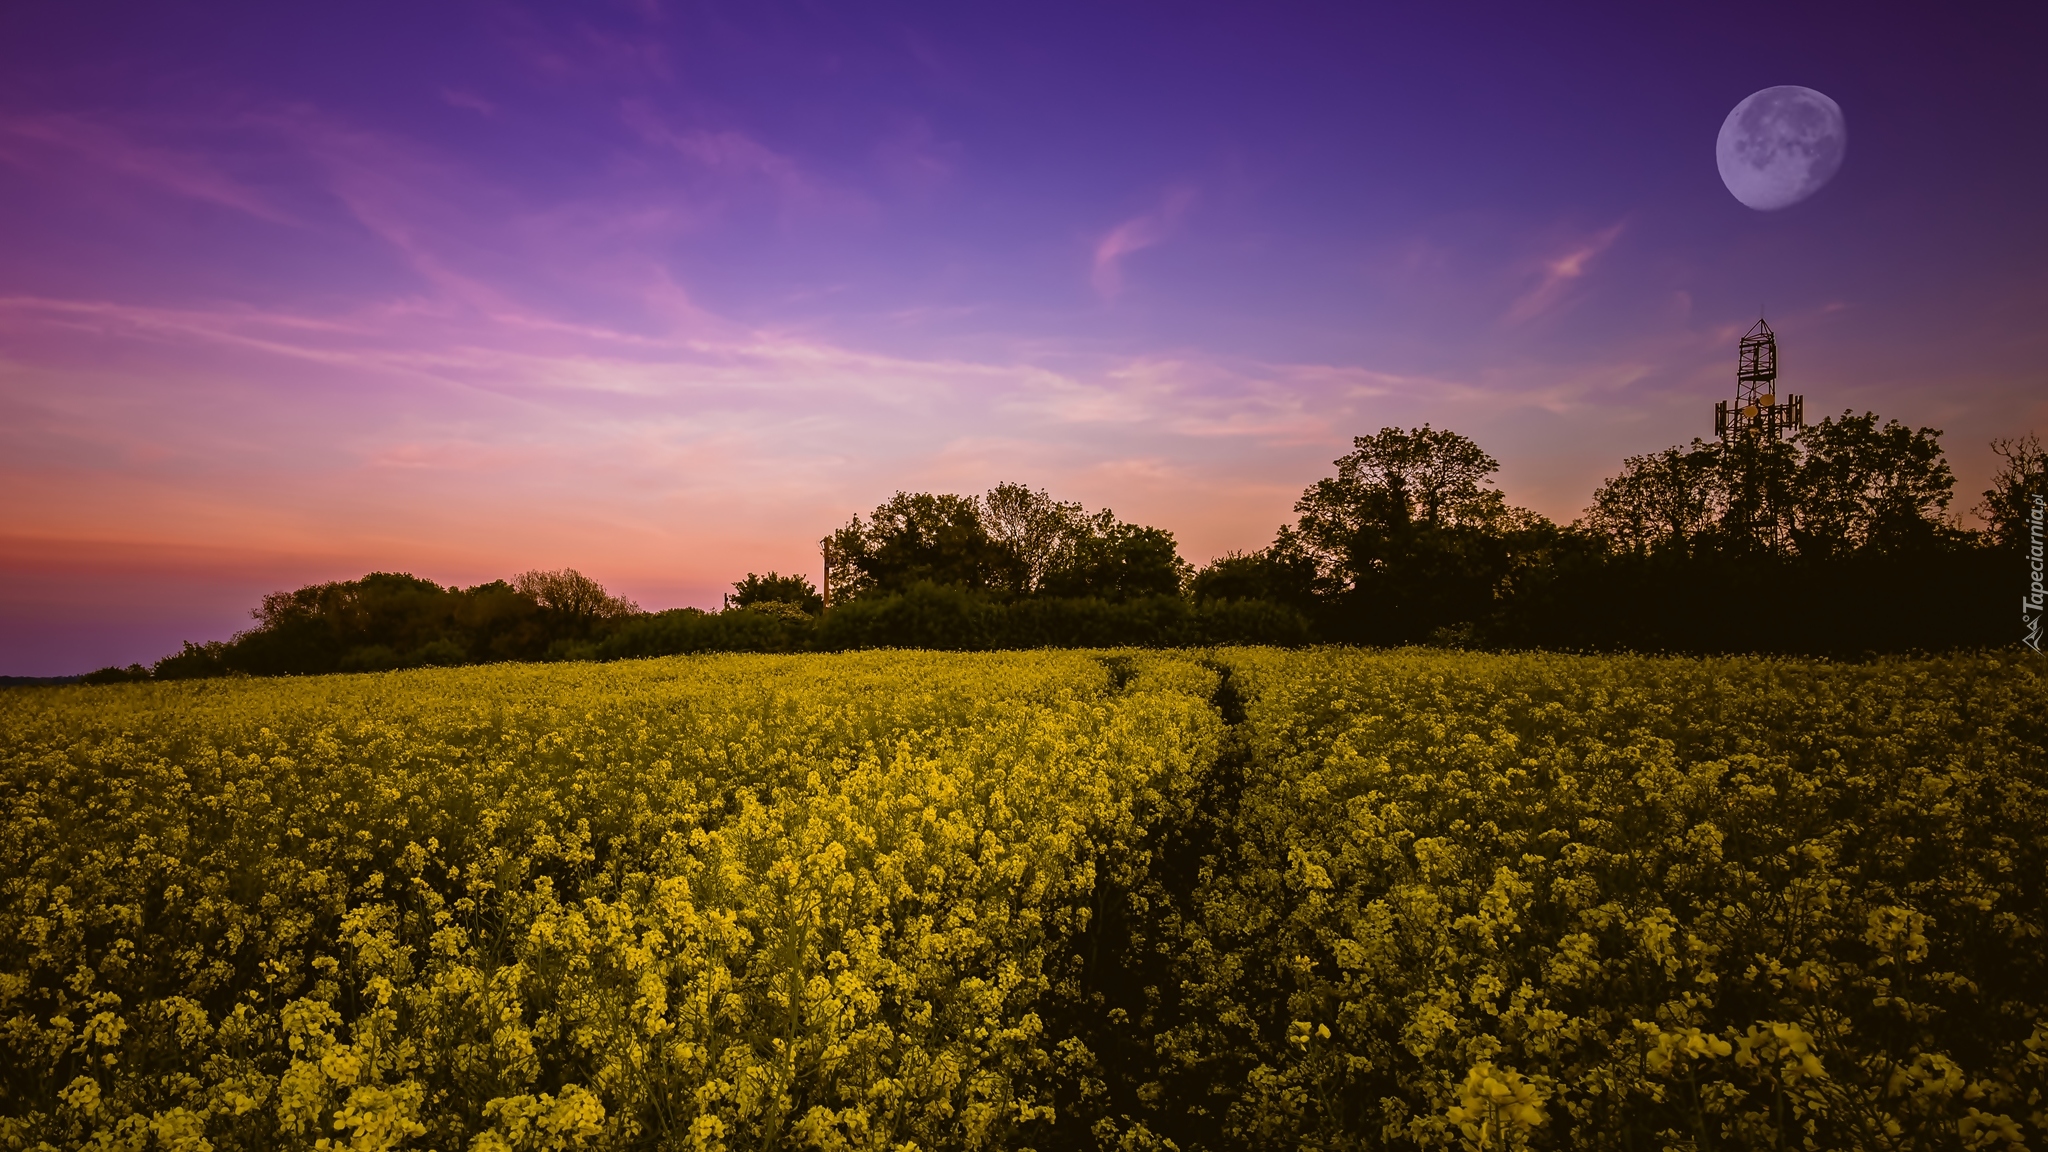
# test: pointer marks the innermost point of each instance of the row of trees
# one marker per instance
(394, 620)
(1839, 540)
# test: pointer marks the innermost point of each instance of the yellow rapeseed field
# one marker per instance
(1233, 899)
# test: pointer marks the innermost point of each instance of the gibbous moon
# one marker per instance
(1780, 145)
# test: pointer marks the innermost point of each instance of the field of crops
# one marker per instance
(1234, 899)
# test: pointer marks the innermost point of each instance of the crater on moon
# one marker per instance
(1780, 145)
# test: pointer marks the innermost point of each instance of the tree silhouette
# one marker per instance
(2007, 507)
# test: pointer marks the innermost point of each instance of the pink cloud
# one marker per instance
(1133, 235)
(1557, 276)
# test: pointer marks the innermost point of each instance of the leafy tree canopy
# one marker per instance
(1283, 573)
(1015, 541)
(774, 588)
(1847, 485)
(573, 594)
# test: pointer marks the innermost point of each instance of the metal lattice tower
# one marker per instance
(1756, 411)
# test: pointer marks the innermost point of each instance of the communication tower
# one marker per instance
(1756, 411)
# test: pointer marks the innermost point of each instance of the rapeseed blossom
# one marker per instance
(1496, 1108)
(1326, 900)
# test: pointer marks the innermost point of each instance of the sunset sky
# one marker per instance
(666, 292)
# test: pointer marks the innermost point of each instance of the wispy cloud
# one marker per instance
(468, 101)
(1136, 234)
(27, 140)
(739, 161)
(564, 45)
(913, 157)
(1558, 274)
(636, 57)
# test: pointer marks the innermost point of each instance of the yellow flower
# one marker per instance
(1496, 1107)
(1668, 1048)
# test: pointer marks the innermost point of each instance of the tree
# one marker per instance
(1758, 489)
(1661, 502)
(1039, 531)
(1282, 572)
(1015, 542)
(397, 620)
(1113, 560)
(570, 593)
(1866, 488)
(1833, 541)
(920, 538)
(775, 588)
(1409, 537)
(1059, 549)
(311, 629)
(2007, 507)
(1389, 488)
(1425, 475)
(1842, 487)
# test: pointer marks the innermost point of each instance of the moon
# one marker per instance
(1780, 146)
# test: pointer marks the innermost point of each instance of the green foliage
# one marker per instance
(1661, 503)
(920, 538)
(924, 615)
(1114, 561)
(1835, 542)
(1036, 529)
(775, 588)
(570, 595)
(115, 674)
(1844, 486)
(1408, 540)
(1866, 488)
(393, 620)
(194, 662)
(1283, 573)
(1014, 542)
(938, 617)
(1395, 479)
(685, 630)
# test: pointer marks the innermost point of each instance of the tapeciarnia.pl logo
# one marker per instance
(2030, 604)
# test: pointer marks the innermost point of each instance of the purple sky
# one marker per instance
(666, 292)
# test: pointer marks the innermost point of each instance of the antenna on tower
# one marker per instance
(1756, 412)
